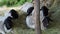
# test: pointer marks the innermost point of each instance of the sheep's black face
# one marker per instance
(14, 14)
(8, 23)
(29, 11)
(45, 10)
(45, 22)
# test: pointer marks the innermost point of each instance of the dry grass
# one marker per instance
(54, 28)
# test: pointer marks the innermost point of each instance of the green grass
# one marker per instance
(13, 2)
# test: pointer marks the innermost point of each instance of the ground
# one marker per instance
(21, 28)
(54, 27)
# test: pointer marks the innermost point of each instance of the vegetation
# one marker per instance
(13, 2)
(20, 28)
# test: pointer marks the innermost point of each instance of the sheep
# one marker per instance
(43, 18)
(6, 21)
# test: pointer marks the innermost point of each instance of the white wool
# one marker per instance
(1, 28)
(2, 18)
(6, 14)
(41, 19)
(26, 6)
(30, 22)
(6, 29)
(1, 31)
